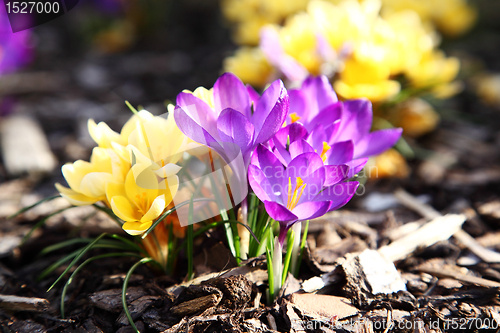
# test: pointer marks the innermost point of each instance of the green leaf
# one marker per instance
(288, 256)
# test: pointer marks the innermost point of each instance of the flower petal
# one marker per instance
(279, 212)
(356, 120)
(340, 153)
(272, 169)
(338, 194)
(94, 184)
(193, 130)
(197, 110)
(270, 112)
(157, 207)
(297, 105)
(377, 142)
(136, 228)
(235, 128)
(75, 198)
(230, 92)
(327, 116)
(336, 174)
(122, 208)
(356, 166)
(260, 183)
(310, 210)
(300, 147)
(318, 93)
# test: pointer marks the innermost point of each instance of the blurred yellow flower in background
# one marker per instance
(452, 17)
(365, 47)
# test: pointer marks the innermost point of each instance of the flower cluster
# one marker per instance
(298, 170)
(362, 50)
(296, 149)
(132, 172)
(452, 17)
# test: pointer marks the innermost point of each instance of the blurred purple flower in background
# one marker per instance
(15, 48)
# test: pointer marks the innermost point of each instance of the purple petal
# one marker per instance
(254, 96)
(340, 153)
(260, 183)
(297, 104)
(325, 49)
(319, 94)
(235, 128)
(356, 120)
(300, 147)
(336, 174)
(377, 142)
(271, 46)
(338, 194)
(356, 166)
(279, 212)
(295, 131)
(305, 167)
(271, 111)
(271, 168)
(230, 92)
(199, 111)
(311, 210)
(328, 115)
(193, 130)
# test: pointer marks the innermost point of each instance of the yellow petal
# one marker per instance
(114, 189)
(102, 134)
(168, 170)
(140, 180)
(123, 209)
(136, 228)
(157, 207)
(94, 184)
(75, 198)
(74, 172)
(168, 188)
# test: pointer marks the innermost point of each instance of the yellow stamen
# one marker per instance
(294, 196)
(294, 117)
(326, 148)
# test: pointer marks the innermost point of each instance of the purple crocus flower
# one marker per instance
(15, 48)
(316, 107)
(238, 120)
(303, 190)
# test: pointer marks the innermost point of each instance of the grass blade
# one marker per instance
(83, 264)
(189, 237)
(168, 212)
(32, 206)
(75, 260)
(42, 222)
(124, 290)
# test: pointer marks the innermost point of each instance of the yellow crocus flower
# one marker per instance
(87, 180)
(141, 198)
(250, 65)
